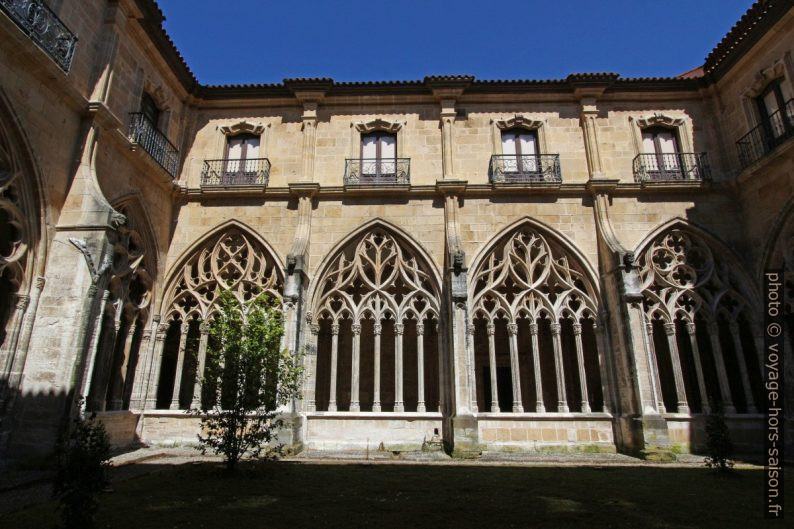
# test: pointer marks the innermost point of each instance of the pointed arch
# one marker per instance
(415, 248)
(701, 320)
(218, 254)
(560, 247)
(534, 301)
(24, 218)
(377, 294)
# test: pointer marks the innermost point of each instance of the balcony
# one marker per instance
(525, 169)
(764, 138)
(44, 28)
(144, 133)
(671, 167)
(377, 171)
(231, 172)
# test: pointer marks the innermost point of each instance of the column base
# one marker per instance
(518, 408)
(399, 407)
(421, 408)
(562, 407)
(585, 407)
(683, 407)
(332, 406)
(540, 408)
(355, 406)
(376, 406)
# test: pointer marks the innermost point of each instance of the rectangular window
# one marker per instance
(149, 110)
(242, 153)
(520, 153)
(663, 144)
(378, 155)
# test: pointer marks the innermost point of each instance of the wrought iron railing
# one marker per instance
(377, 171)
(145, 133)
(671, 167)
(769, 134)
(44, 28)
(236, 172)
(526, 168)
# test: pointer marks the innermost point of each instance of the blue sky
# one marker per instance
(258, 41)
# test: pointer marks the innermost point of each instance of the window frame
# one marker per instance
(662, 170)
(519, 166)
(379, 158)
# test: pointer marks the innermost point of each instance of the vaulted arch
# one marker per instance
(534, 302)
(701, 320)
(377, 292)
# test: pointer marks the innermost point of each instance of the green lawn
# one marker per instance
(298, 495)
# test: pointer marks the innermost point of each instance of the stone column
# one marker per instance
(180, 365)
(562, 400)
(20, 357)
(136, 398)
(15, 324)
(355, 405)
(606, 381)
(678, 375)
(448, 114)
(470, 368)
(118, 379)
(654, 371)
(512, 332)
(107, 350)
(93, 349)
(589, 114)
(204, 329)
(577, 334)
(399, 404)
(741, 360)
(420, 367)
(540, 407)
(334, 356)
(722, 373)
(441, 380)
(377, 329)
(157, 364)
(491, 328)
(704, 397)
(311, 367)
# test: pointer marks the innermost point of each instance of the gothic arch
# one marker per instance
(232, 257)
(125, 308)
(23, 243)
(700, 321)
(376, 284)
(534, 301)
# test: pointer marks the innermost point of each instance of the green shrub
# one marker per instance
(718, 440)
(82, 459)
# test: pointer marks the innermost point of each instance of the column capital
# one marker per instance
(420, 329)
(356, 328)
(556, 328)
(533, 328)
(733, 326)
(314, 328)
(470, 329)
(204, 327)
(377, 328)
(399, 328)
(491, 328)
(512, 329)
(185, 327)
(162, 329)
(649, 328)
(577, 328)
(146, 335)
(39, 282)
(691, 329)
(335, 329)
(669, 329)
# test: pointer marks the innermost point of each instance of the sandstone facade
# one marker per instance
(595, 303)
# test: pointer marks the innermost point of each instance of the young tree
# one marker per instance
(247, 377)
(718, 439)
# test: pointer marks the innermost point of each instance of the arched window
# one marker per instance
(535, 339)
(376, 327)
(699, 325)
(230, 260)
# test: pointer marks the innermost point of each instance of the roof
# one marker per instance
(746, 32)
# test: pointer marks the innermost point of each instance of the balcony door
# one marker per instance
(662, 144)
(520, 151)
(242, 156)
(378, 155)
(776, 117)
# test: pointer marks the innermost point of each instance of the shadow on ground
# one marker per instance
(293, 494)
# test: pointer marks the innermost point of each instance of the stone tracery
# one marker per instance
(232, 260)
(697, 301)
(376, 280)
(526, 279)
